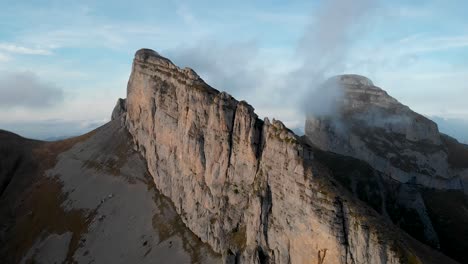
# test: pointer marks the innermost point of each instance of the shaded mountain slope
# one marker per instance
(89, 199)
(15, 160)
(435, 217)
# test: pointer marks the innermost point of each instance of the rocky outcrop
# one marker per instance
(250, 188)
(372, 126)
(119, 109)
(396, 161)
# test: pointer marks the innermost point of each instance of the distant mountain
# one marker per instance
(397, 161)
(57, 138)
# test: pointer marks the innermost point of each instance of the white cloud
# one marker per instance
(13, 48)
(4, 57)
(282, 18)
(429, 44)
(27, 90)
(410, 12)
(184, 12)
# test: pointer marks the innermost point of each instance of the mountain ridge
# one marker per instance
(165, 114)
(251, 189)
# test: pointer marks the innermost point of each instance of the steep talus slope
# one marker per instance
(396, 161)
(250, 188)
(88, 200)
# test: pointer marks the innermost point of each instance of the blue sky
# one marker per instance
(74, 57)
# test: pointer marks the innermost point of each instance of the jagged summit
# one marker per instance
(147, 52)
(352, 79)
(151, 57)
(359, 94)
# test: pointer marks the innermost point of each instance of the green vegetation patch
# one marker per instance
(238, 238)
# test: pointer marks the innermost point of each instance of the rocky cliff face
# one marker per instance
(401, 165)
(372, 126)
(250, 188)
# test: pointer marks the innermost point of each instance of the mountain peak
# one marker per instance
(352, 79)
(373, 126)
(151, 56)
(150, 62)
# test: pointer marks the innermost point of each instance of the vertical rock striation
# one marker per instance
(250, 188)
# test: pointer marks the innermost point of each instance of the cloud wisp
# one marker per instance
(13, 48)
(324, 51)
(228, 67)
(27, 90)
(4, 57)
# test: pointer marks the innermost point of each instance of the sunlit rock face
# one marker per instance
(249, 188)
(370, 125)
(395, 160)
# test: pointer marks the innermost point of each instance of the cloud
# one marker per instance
(242, 69)
(229, 67)
(4, 57)
(408, 49)
(324, 51)
(12, 48)
(409, 12)
(183, 11)
(281, 18)
(25, 89)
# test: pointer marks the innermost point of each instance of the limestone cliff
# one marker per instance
(396, 161)
(250, 188)
(372, 126)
